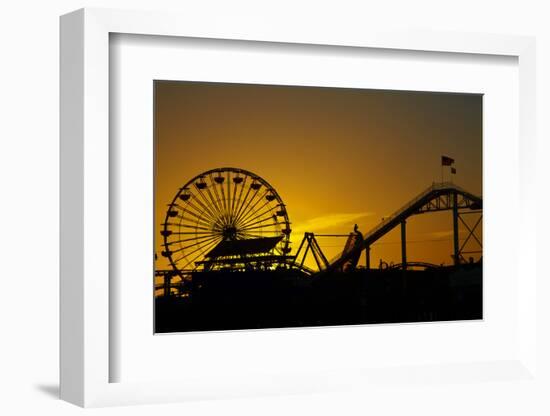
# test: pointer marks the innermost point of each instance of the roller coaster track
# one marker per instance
(438, 197)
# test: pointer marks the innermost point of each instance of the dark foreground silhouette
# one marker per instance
(226, 300)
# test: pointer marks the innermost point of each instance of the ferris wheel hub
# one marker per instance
(229, 233)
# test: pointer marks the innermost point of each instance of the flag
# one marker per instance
(446, 161)
(453, 171)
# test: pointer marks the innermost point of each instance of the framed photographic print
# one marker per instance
(273, 212)
(286, 219)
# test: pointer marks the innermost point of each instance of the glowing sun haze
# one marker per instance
(337, 157)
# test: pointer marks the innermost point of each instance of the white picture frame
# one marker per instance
(85, 221)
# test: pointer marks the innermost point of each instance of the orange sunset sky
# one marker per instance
(336, 156)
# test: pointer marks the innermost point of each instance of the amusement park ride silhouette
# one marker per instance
(230, 219)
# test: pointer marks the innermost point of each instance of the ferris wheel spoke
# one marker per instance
(193, 227)
(261, 232)
(205, 207)
(253, 214)
(190, 232)
(239, 201)
(250, 209)
(214, 201)
(205, 211)
(191, 239)
(242, 201)
(193, 222)
(212, 243)
(210, 246)
(195, 244)
(188, 208)
(228, 180)
(183, 248)
(210, 204)
(232, 210)
(181, 236)
(260, 216)
(217, 197)
(206, 222)
(260, 221)
(230, 200)
(245, 209)
(267, 213)
(181, 221)
(196, 220)
(256, 201)
(262, 235)
(257, 227)
(210, 200)
(254, 235)
(224, 202)
(267, 229)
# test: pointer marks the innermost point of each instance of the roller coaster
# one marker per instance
(438, 197)
(230, 219)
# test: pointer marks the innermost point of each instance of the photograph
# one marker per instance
(281, 206)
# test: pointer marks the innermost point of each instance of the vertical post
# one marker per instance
(367, 255)
(167, 281)
(404, 244)
(455, 229)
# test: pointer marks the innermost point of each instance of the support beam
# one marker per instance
(167, 282)
(456, 255)
(367, 255)
(404, 244)
(308, 238)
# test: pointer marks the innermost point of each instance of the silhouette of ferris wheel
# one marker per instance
(225, 218)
